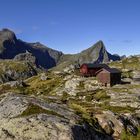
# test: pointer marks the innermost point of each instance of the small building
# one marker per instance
(105, 75)
(90, 69)
(109, 76)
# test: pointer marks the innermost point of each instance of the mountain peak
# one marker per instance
(99, 44)
(97, 53)
(6, 34)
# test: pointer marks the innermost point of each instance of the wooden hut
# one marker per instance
(109, 76)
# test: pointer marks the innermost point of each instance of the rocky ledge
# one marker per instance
(23, 117)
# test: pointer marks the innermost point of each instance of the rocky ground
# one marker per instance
(61, 105)
(23, 117)
(68, 107)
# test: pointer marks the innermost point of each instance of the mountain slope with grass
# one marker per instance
(70, 107)
(66, 106)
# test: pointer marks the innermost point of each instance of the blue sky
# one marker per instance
(74, 25)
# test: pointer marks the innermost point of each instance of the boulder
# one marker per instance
(43, 77)
(28, 57)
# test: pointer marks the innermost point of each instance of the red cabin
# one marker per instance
(89, 69)
(104, 74)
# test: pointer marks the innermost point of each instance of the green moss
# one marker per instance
(81, 85)
(128, 88)
(34, 109)
(4, 88)
(128, 74)
(83, 109)
(89, 98)
(119, 90)
(13, 65)
(101, 95)
(44, 87)
(128, 136)
(117, 109)
(64, 97)
(86, 114)
(131, 63)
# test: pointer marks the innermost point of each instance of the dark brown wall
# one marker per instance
(103, 77)
(115, 78)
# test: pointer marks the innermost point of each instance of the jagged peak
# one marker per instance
(99, 43)
(97, 46)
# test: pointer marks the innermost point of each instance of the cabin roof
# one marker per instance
(110, 70)
(92, 65)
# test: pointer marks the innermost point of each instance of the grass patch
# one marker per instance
(128, 74)
(128, 136)
(131, 63)
(89, 98)
(45, 87)
(117, 109)
(119, 90)
(64, 97)
(101, 95)
(84, 109)
(14, 65)
(4, 88)
(86, 115)
(34, 109)
(81, 85)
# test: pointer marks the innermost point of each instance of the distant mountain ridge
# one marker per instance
(10, 46)
(95, 54)
(46, 57)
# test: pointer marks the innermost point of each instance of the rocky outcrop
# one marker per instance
(27, 57)
(56, 122)
(12, 70)
(125, 98)
(114, 124)
(75, 84)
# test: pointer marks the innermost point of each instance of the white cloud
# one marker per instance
(127, 41)
(35, 28)
(53, 23)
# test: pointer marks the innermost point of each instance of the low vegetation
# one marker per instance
(85, 103)
(34, 109)
(131, 63)
(101, 95)
(128, 136)
(117, 109)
